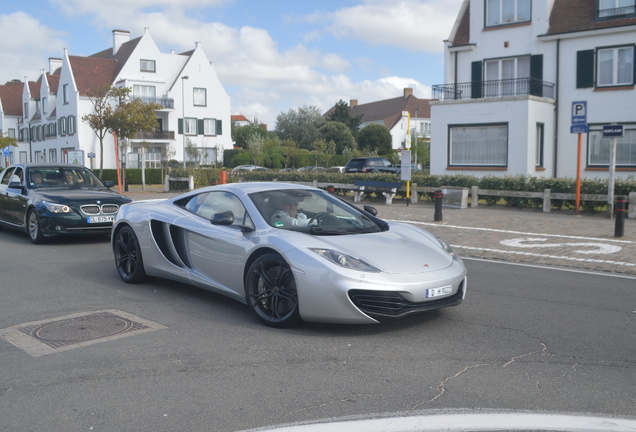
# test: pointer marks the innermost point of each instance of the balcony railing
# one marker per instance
(165, 102)
(493, 89)
(156, 135)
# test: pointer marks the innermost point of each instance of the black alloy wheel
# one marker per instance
(128, 256)
(271, 291)
(33, 227)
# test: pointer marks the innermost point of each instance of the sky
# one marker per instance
(271, 56)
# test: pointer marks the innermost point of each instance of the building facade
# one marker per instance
(193, 123)
(515, 70)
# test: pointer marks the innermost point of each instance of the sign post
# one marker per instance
(579, 126)
(614, 132)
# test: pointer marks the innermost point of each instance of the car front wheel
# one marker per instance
(128, 256)
(33, 227)
(271, 291)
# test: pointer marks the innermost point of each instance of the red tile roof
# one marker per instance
(579, 15)
(92, 73)
(11, 96)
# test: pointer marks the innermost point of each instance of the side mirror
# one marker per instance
(224, 218)
(109, 184)
(371, 210)
(15, 185)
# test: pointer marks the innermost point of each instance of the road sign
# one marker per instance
(579, 112)
(613, 131)
(578, 128)
(6, 151)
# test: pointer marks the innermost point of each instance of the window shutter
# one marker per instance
(536, 75)
(200, 127)
(585, 69)
(180, 126)
(219, 127)
(476, 79)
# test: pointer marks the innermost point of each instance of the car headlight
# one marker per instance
(344, 260)
(57, 208)
(448, 249)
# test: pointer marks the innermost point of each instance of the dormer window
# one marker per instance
(616, 8)
(503, 12)
(148, 66)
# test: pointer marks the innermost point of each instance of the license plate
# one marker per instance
(436, 292)
(100, 219)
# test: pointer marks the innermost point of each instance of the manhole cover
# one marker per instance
(71, 331)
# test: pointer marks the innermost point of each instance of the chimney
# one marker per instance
(408, 92)
(353, 103)
(120, 37)
(54, 64)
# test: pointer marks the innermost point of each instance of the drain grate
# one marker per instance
(71, 331)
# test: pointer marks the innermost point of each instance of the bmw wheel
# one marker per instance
(33, 227)
(271, 291)
(128, 256)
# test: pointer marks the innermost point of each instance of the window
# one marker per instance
(613, 8)
(52, 155)
(539, 144)
(44, 109)
(11, 133)
(207, 205)
(62, 126)
(190, 126)
(482, 145)
(199, 97)
(145, 93)
(615, 66)
(71, 125)
(502, 75)
(598, 154)
(147, 65)
(26, 110)
(501, 12)
(209, 126)
(65, 93)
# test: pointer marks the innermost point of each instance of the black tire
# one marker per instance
(271, 292)
(34, 229)
(128, 260)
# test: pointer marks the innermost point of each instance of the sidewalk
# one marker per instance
(561, 239)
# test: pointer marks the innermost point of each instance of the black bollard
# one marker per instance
(126, 184)
(619, 226)
(438, 205)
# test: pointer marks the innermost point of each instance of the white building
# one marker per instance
(195, 113)
(514, 68)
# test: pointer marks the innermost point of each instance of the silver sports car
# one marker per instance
(290, 252)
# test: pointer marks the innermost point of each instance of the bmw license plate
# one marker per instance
(436, 292)
(100, 219)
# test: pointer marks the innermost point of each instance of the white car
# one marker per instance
(336, 264)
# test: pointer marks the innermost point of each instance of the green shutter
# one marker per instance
(476, 80)
(219, 127)
(180, 127)
(585, 69)
(200, 128)
(536, 75)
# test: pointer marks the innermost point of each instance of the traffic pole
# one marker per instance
(438, 205)
(619, 226)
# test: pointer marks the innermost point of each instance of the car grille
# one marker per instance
(387, 305)
(95, 209)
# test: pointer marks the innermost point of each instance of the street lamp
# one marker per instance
(183, 78)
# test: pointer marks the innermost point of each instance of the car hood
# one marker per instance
(67, 196)
(401, 249)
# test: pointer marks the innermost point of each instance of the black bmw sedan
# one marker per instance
(46, 200)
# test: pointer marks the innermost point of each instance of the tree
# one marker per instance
(339, 134)
(241, 134)
(301, 126)
(342, 114)
(324, 148)
(375, 137)
(103, 100)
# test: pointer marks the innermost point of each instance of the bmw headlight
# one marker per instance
(57, 208)
(344, 260)
(448, 249)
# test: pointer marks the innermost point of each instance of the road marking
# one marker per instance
(533, 242)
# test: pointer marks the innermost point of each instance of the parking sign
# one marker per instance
(579, 113)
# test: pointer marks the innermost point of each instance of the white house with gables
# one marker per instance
(195, 110)
(514, 68)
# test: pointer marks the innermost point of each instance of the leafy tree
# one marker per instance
(255, 144)
(192, 151)
(339, 134)
(342, 114)
(241, 134)
(291, 152)
(325, 149)
(6, 141)
(300, 125)
(375, 138)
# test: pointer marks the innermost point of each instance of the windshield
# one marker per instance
(62, 177)
(313, 212)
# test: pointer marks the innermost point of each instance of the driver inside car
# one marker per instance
(288, 216)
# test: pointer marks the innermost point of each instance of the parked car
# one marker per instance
(46, 200)
(248, 168)
(370, 165)
(337, 264)
(338, 169)
(312, 169)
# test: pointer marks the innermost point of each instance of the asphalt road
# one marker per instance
(526, 338)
